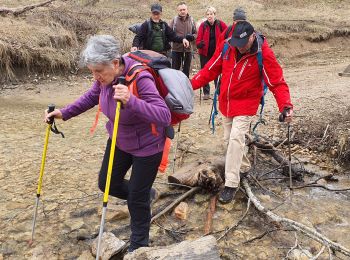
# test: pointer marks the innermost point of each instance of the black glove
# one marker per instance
(201, 44)
(189, 37)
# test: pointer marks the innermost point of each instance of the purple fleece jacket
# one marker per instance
(134, 130)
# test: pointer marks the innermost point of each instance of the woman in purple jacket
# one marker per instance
(136, 145)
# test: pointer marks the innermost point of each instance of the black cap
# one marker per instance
(156, 8)
(241, 33)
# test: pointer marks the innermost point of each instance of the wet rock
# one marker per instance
(115, 212)
(228, 206)
(203, 248)
(41, 253)
(298, 254)
(74, 224)
(86, 255)
(51, 207)
(83, 234)
(110, 246)
(201, 198)
(83, 213)
(265, 198)
(181, 211)
(322, 182)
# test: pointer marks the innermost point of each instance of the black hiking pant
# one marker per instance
(181, 59)
(136, 190)
(204, 59)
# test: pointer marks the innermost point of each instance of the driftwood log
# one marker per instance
(208, 174)
(203, 248)
(21, 10)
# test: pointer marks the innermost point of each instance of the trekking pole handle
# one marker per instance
(122, 80)
(50, 109)
(283, 115)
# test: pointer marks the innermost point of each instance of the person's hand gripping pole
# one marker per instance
(109, 171)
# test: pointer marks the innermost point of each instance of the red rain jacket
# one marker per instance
(241, 87)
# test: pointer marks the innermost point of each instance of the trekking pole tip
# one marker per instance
(30, 242)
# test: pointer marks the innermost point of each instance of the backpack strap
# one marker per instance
(259, 56)
(215, 100)
(130, 78)
(164, 162)
(224, 53)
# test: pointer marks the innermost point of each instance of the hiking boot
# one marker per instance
(206, 96)
(227, 194)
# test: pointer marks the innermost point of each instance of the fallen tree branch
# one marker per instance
(21, 10)
(176, 202)
(268, 148)
(319, 186)
(313, 234)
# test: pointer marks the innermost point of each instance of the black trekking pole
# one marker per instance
(51, 108)
(281, 118)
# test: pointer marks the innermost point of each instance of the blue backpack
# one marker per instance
(259, 56)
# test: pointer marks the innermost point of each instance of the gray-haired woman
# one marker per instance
(136, 145)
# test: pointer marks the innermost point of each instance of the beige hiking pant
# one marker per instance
(235, 129)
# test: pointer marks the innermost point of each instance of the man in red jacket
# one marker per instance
(240, 93)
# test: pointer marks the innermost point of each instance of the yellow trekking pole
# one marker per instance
(40, 181)
(109, 171)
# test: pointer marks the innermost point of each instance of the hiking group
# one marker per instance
(230, 51)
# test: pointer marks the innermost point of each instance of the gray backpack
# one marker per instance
(173, 85)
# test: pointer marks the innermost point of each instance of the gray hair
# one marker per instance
(100, 49)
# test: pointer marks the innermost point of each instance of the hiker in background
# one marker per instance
(156, 35)
(208, 32)
(184, 26)
(238, 15)
(241, 90)
(136, 145)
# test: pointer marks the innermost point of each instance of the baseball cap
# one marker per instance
(156, 8)
(241, 33)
